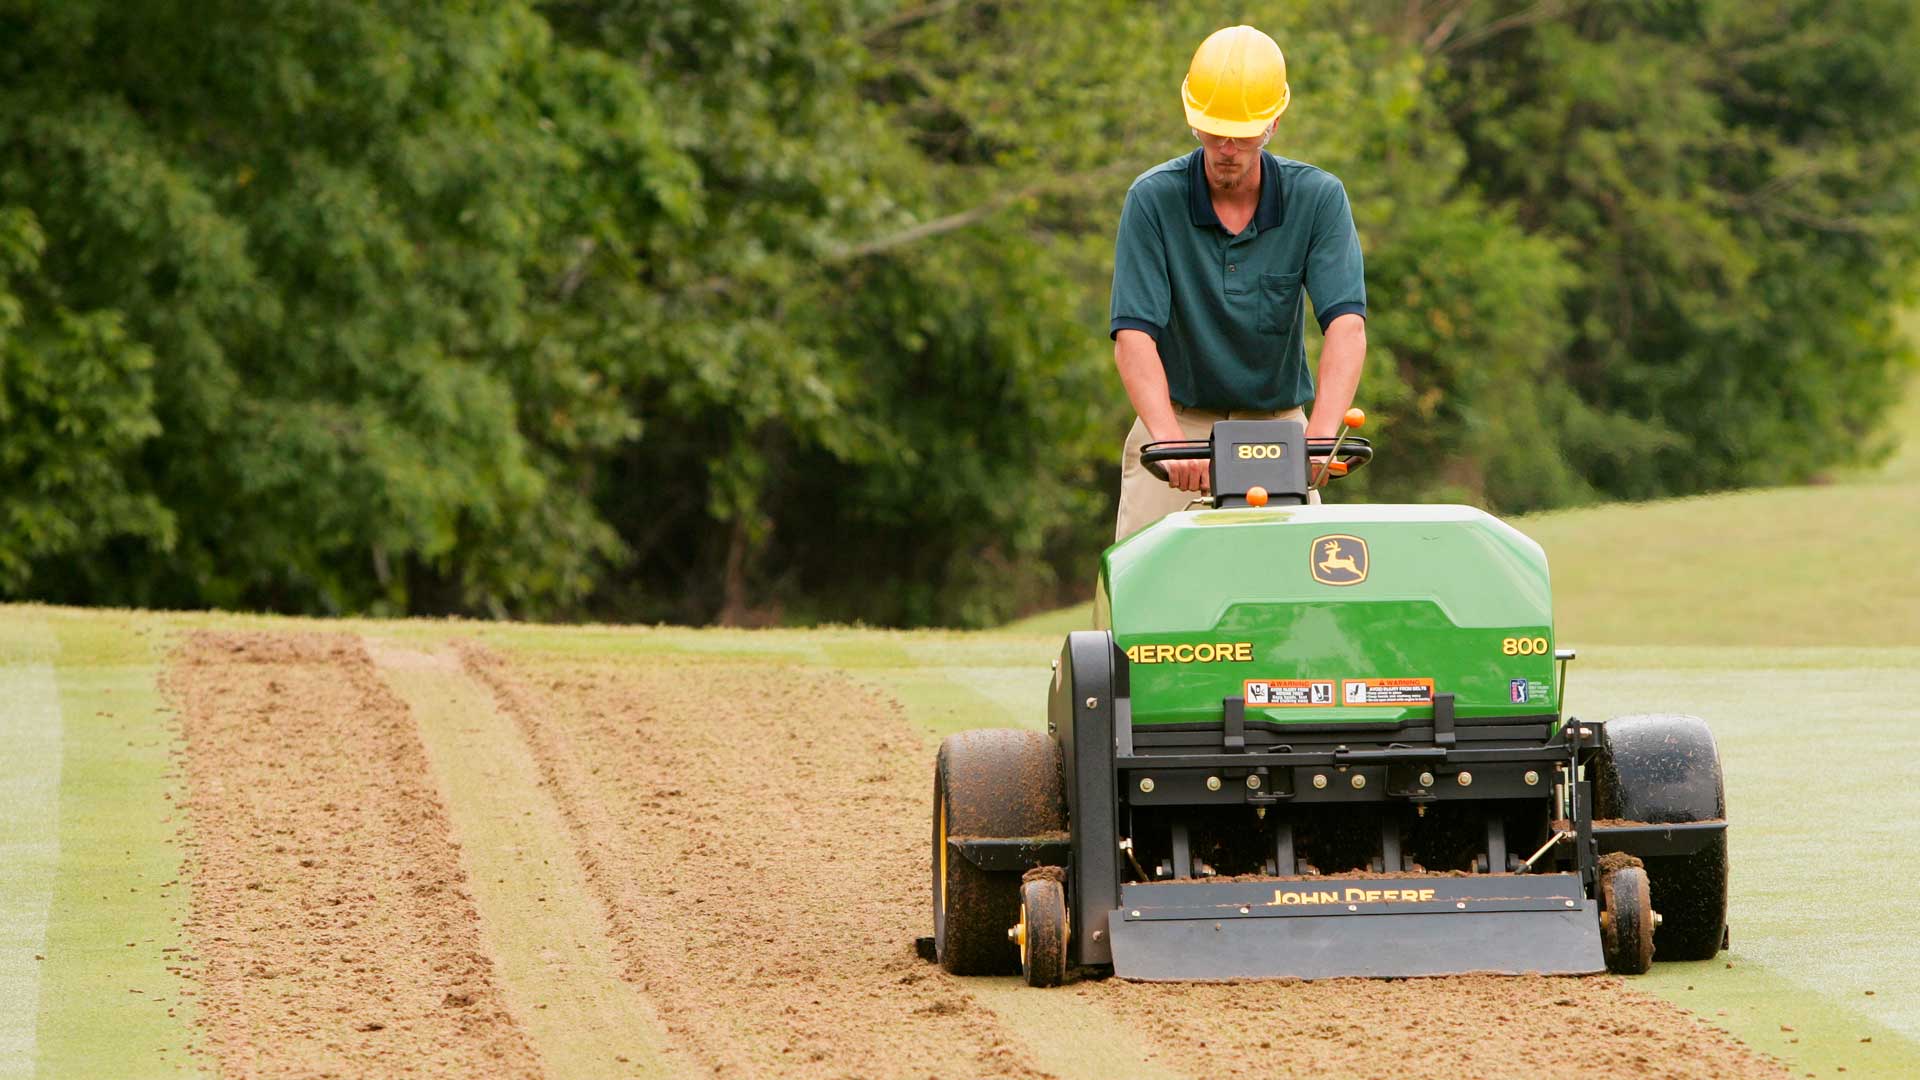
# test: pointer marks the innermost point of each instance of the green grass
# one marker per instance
(1814, 819)
(1799, 566)
(30, 842)
(108, 1005)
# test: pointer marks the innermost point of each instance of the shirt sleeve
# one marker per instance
(1336, 277)
(1142, 296)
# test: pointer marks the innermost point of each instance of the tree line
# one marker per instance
(756, 312)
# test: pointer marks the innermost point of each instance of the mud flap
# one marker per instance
(1321, 928)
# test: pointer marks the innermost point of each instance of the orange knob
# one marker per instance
(1256, 496)
(1356, 418)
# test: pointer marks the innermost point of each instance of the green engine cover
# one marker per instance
(1331, 614)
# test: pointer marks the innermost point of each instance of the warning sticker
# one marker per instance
(1282, 693)
(1386, 692)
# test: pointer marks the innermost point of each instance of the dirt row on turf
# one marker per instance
(759, 833)
(742, 826)
(330, 929)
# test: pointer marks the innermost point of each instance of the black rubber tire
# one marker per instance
(991, 783)
(1663, 768)
(1043, 947)
(1626, 921)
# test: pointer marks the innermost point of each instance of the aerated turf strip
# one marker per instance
(1433, 1029)
(1069, 1034)
(756, 833)
(538, 919)
(332, 927)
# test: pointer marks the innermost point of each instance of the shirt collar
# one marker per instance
(1266, 216)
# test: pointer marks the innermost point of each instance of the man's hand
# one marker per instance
(1195, 476)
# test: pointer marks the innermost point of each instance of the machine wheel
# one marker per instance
(1626, 924)
(1042, 931)
(988, 783)
(1666, 768)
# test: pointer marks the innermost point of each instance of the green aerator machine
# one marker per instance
(1314, 741)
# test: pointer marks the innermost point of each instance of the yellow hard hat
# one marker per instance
(1236, 85)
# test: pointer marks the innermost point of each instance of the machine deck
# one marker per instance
(1318, 928)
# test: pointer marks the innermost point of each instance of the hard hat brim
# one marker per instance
(1198, 120)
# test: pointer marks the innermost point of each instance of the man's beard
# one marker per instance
(1232, 180)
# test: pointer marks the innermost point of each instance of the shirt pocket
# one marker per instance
(1279, 303)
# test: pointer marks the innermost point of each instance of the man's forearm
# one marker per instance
(1342, 355)
(1137, 356)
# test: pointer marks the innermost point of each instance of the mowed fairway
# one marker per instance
(269, 847)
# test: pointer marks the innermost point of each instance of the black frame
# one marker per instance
(1089, 714)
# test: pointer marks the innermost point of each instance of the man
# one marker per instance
(1215, 249)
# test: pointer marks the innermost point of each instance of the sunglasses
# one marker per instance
(1221, 142)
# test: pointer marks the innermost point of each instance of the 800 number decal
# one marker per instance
(1523, 646)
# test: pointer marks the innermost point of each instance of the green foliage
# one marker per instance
(648, 309)
(320, 221)
(76, 403)
(1736, 184)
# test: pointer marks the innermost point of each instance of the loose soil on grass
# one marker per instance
(331, 931)
(760, 834)
(1470, 1025)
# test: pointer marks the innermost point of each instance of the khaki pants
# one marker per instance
(1145, 498)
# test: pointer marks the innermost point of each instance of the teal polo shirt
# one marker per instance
(1226, 310)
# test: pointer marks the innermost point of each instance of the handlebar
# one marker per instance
(1354, 452)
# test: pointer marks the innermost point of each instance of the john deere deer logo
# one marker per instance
(1339, 560)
